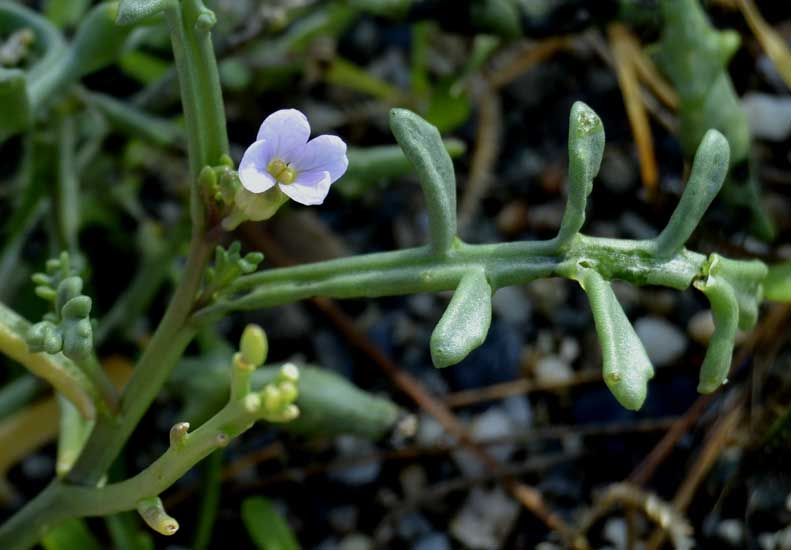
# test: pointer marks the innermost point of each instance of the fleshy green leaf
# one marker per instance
(328, 403)
(465, 323)
(586, 147)
(708, 173)
(135, 11)
(725, 311)
(626, 366)
(98, 42)
(266, 527)
(14, 104)
(447, 109)
(500, 17)
(777, 285)
(745, 278)
(423, 146)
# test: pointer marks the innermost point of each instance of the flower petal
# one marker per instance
(309, 188)
(323, 154)
(287, 130)
(252, 168)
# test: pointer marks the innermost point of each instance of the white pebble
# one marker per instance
(552, 369)
(485, 520)
(492, 424)
(512, 305)
(663, 341)
(769, 116)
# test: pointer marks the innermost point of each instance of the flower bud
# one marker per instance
(254, 346)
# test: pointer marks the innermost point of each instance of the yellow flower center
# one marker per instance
(281, 171)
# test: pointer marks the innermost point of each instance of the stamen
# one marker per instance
(281, 171)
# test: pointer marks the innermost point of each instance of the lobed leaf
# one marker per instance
(328, 403)
(131, 12)
(745, 278)
(708, 174)
(422, 145)
(586, 147)
(98, 42)
(465, 323)
(725, 310)
(626, 366)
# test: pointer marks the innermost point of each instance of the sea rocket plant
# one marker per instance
(283, 156)
(283, 163)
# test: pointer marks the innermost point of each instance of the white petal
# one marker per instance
(252, 168)
(309, 188)
(288, 132)
(323, 154)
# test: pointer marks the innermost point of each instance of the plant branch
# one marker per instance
(420, 270)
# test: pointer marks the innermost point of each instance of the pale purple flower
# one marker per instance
(283, 156)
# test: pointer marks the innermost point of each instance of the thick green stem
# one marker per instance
(201, 95)
(166, 346)
(60, 501)
(202, 102)
(420, 270)
(190, 22)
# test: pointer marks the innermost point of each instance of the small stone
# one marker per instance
(359, 474)
(492, 424)
(552, 370)
(663, 341)
(769, 116)
(432, 541)
(615, 532)
(731, 531)
(512, 305)
(485, 519)
(430, 432)
(517, 407)
(412, 525)
(569, 350)
(701, 326)
(356, 541)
